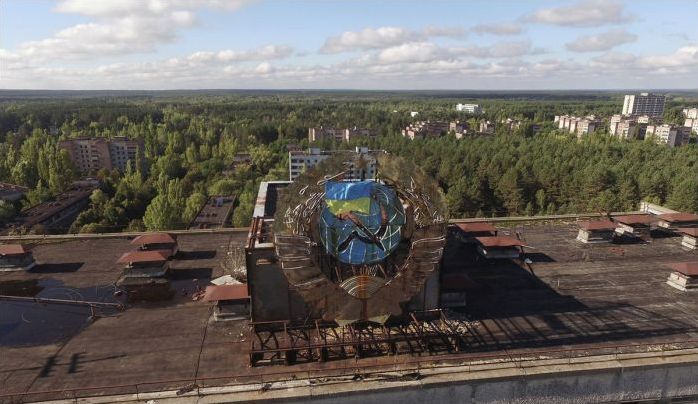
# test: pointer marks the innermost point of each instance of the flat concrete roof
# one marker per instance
(573, 299)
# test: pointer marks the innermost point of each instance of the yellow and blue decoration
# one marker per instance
(362, 221)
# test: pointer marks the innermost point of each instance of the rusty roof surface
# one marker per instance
(476, 227)
(144, 256)
(640, 219)
(500, 241)
(691, 231)
(679, 217)
(597, 225)
(12, 249)
(215, 293)
(686, 268)
(580, 298)
(154, 238)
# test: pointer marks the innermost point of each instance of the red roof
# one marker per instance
(476, 227)
(597, 225)
(679, 217)
(154, 238)
(12, 249)
(499, 241)
(215, 293)
(691, 231)
(144, 256)
(634, 219)
(686, 268)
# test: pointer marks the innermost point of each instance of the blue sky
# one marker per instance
(173, 44)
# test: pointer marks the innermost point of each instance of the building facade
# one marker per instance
(644, 104)
(425, 129)
(361, 162)
(672, 136)
(340, 135)
(469, 108)
(90, 155)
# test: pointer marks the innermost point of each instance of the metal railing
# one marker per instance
(264, 380)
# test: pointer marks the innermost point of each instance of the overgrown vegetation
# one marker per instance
(191, 139)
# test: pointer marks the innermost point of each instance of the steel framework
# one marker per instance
(423, 332)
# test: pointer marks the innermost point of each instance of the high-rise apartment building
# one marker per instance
(90, 155)
(644, 104)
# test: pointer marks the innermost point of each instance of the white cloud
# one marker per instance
(585, 13)
(384, 37)
(506, 28)
(118, 28)
(265, 53)
(601, 42)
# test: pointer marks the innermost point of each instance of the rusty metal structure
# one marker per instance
(287, 342)
(355, 252)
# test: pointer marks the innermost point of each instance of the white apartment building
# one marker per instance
(692, 123)
(690, 113)
(315, 134)
(469, 108)
(577, 125)
(361, 161)
(669, 135)
(644, 104)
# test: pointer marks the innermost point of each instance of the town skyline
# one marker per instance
(239, 44)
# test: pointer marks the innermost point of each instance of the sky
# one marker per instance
(348, 44)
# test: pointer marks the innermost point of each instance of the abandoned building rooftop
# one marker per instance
(566, 300)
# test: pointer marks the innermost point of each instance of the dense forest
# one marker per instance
(191, 139)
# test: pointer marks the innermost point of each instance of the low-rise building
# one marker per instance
(459, 128)
(361, 161)
(672, 136)
(469, 108)
(215, 213)
(54, 216)
(11, 192)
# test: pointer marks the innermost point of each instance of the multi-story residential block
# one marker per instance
(340, 135)
(486, 126)
(587, 125)
(361, 162)
(90, 155)
(690, 113)
(469, 108)
(644, 104)
(691, 123)
(669, 135)
(425, 129)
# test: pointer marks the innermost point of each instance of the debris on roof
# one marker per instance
(225, 280)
